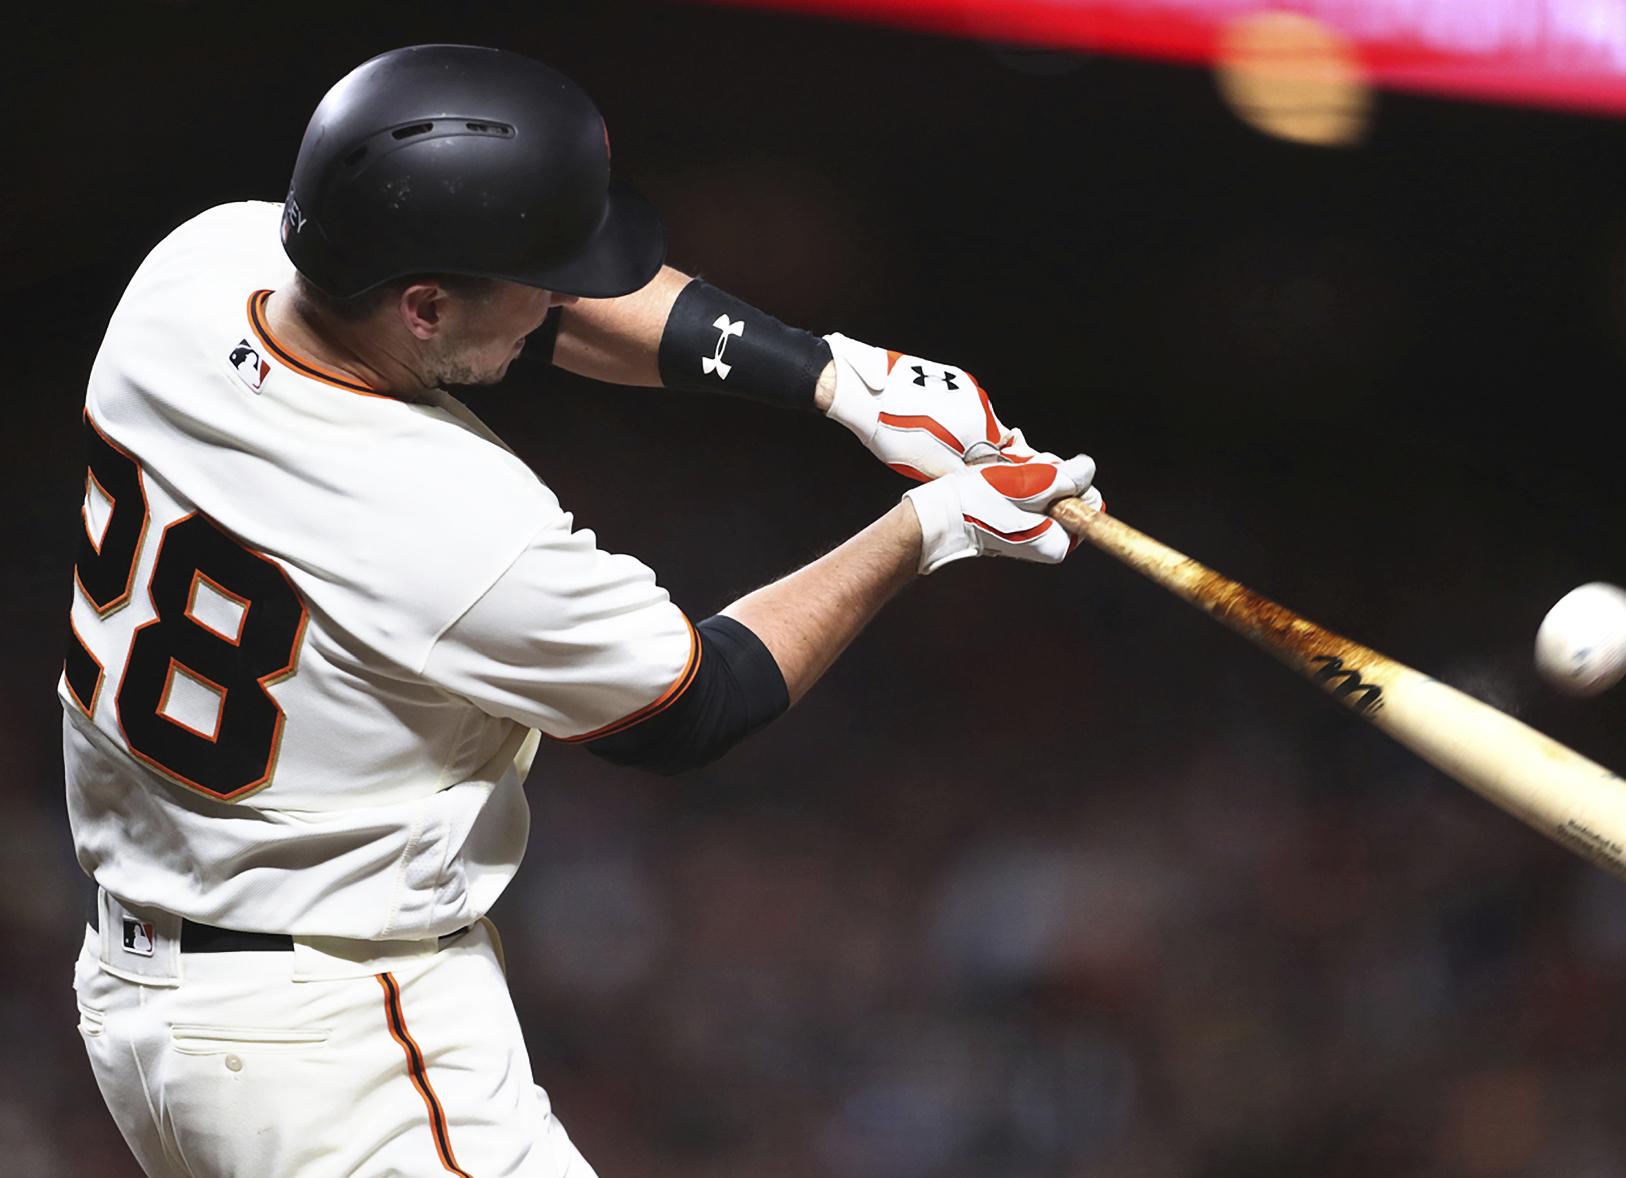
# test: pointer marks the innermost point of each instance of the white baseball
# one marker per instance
(1581, 645)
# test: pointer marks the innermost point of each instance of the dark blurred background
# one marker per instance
(1051, 876)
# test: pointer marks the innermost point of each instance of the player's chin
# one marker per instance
(466, 376)
(495, 371)
(491, 376)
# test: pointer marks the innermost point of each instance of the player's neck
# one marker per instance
(347, 348)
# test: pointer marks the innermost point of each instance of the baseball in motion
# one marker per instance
(1581, 645)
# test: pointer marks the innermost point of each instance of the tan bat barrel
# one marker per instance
(1543, 783)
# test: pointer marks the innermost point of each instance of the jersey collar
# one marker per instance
(309, 368)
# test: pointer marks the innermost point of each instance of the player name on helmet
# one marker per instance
(293, 218)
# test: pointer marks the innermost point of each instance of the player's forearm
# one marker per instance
(807, 619)
(620, 341)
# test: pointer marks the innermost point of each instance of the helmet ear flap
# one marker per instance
(461, 160)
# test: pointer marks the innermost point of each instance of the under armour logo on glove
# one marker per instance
(920, 417)
(714, 362)
(945, 376)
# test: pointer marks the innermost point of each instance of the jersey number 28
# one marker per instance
(230, 653)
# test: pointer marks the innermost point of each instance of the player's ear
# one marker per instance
(422, 306)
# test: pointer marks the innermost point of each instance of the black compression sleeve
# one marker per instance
(539, 345)
(736, 690)
(715, 343)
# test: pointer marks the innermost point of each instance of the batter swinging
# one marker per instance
(322, 615)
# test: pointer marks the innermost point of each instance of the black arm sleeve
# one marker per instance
(736, 690)
(540, 344)
(716, 343)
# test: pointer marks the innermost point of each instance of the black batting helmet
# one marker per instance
(453, 159)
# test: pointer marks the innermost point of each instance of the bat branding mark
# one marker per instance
(1345, 684)
(1590, 844)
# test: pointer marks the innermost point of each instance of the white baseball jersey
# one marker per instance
(316, 629)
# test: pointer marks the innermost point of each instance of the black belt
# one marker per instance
(206, 938)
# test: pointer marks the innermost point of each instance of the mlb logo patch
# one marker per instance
(250, 366)
(138, 937)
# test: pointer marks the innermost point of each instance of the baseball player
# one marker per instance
(322, 616)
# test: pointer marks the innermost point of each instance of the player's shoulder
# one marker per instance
(244, 228)
(471, 491)
(405, 527)
(464, 478)
(183, 311)
(223, 250)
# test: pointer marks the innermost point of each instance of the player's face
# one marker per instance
(483, 334)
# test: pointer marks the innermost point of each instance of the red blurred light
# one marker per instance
(1568, 54)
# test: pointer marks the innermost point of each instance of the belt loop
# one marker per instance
(327, 958)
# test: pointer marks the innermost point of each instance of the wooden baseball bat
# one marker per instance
(1552, 788)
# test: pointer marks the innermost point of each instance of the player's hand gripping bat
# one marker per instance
(1553, 788)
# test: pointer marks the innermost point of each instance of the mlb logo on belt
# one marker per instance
(138, 937)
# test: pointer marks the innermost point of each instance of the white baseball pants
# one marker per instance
(315, 1061)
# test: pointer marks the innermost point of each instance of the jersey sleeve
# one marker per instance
(570, 639)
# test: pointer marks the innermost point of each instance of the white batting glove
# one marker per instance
(997, 509)
(921, 418)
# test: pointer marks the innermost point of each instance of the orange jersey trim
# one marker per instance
(86, 706)
(666, 700)
(265, 682)
(123, 598)
(199, 577)
(418, 1072)
(179, 668)
(257, 320)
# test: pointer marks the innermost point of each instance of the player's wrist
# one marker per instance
(941, 523)
(858, 373)
(824, 393)
(903, 526)
(715, 343)
(1000, 509)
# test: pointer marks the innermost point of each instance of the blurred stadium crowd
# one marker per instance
(934, 963)
(1050, 878)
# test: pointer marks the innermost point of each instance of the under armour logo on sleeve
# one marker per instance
(714, 363)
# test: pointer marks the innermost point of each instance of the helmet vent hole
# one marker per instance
(354, 157)
(502, 129)
(414, 129)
